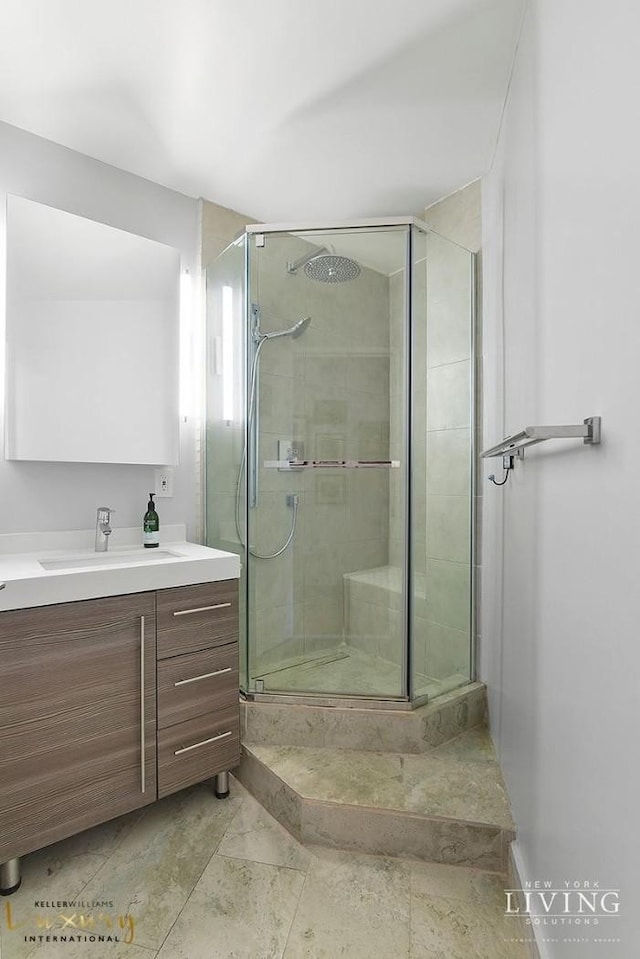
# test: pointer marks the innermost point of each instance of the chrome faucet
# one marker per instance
(103, 528)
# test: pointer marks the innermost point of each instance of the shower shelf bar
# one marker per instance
(514, 445)
(331, 464)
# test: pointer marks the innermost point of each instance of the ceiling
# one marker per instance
(280, 109)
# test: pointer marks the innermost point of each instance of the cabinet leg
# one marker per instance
(10, 877)
(221, 787)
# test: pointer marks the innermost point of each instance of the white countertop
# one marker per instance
(28, 583)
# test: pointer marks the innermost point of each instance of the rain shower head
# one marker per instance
(326, 267)
(331, 268)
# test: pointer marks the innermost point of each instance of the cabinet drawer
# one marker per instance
(197, 617)
(197, 684)
(198, 749)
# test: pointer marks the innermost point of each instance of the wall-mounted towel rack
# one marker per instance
(588, 431)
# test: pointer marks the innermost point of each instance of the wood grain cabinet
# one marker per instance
(93, 724)
(197, 617)
(198, 709)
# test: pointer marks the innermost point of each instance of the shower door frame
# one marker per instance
(406, 701)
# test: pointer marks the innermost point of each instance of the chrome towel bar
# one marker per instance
(589, 431)
(293, 465)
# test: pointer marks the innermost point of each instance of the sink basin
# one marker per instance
(108, 559)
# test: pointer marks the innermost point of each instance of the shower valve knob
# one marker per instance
(290, 451)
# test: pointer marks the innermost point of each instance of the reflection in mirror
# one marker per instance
(92, 341)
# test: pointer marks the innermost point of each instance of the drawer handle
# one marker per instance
(201, 609)
(205, 742)
(195, 679)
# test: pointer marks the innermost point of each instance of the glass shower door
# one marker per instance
(326, 561)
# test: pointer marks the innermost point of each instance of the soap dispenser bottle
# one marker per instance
(151, 525)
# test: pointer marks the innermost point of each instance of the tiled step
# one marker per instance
(377, 730)
(447, 805)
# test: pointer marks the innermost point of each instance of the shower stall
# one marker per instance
(339, 456)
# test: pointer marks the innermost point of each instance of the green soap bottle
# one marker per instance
(151, 525)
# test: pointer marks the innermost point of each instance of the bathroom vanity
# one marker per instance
(112, 702)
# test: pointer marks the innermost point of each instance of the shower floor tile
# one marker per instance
(346, 671)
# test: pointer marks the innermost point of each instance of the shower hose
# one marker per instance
(243, 463)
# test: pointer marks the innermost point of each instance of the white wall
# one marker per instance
(46, 496)
(561, 644)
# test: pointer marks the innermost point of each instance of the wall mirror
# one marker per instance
(92, 341)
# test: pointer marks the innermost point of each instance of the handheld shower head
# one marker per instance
(293, 331)
(300, 327)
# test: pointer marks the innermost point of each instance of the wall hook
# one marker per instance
(508, 463)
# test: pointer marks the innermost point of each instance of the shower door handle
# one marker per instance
(293, 465)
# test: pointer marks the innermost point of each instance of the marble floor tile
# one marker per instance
(238, 910)
(452, 713)
(258, 837)
(62, 869)
(335, 775)
(87, 950)
(374, 730)
(455, 789)
(270, 790)
(443, 928)
(276, 723)
(352, 906)
(391, 833)
(474, 746)
(57, 873)
(452, 882)
(421, 783)
(461, 912)
(151, 875)
(223, 880)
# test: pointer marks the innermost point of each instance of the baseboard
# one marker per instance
(514, 879)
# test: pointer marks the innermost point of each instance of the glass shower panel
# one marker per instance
(326, 565)
(442, 448)
(225, 413)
